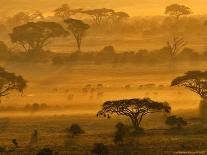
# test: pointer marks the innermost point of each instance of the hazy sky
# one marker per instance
(133, 7)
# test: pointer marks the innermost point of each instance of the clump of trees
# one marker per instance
(196, 81)
(176, 122)
(134, 109)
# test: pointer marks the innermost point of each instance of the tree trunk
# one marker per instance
(136, 126)
(203, 108)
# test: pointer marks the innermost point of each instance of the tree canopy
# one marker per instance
(135, 109)
(34, 36)
(196, 81)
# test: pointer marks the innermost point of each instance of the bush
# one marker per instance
(177, 122)
(75, 130)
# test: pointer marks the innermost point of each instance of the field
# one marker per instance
(52, 133)
(55, 89)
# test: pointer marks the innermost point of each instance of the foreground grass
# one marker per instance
(52, 134)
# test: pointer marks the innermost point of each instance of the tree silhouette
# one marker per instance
(120, 133)
(65, 12)
(98, 15)
(100, 149)
(78, 29)
(34, 36)
(177, 10)
(9, 82)
(179, 122)
(196, 81)
(135, 109)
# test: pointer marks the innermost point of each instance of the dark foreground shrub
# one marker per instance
(45, 151)
(100, 149)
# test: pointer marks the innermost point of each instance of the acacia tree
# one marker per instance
(34, 36)
(98, 15)
(134, 109)
(9, 82)
(177, 10)
(196, 81)
(65, 12)
(78, 29)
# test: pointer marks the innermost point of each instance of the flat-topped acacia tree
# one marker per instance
(135, 109)
(177, 10)
(196, 81)
(9, 82)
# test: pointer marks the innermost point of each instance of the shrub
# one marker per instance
(175, 121)
(75, 130)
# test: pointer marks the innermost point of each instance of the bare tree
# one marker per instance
(175, 45)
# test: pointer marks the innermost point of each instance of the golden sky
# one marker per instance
(133, 7)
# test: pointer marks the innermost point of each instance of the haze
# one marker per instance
(133, 7)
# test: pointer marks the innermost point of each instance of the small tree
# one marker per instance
(179, 122)
(177, 10)
(34, 36)
(75, 130)
(120, 133)
(100, 149)
(78, 29)
(134, 109)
